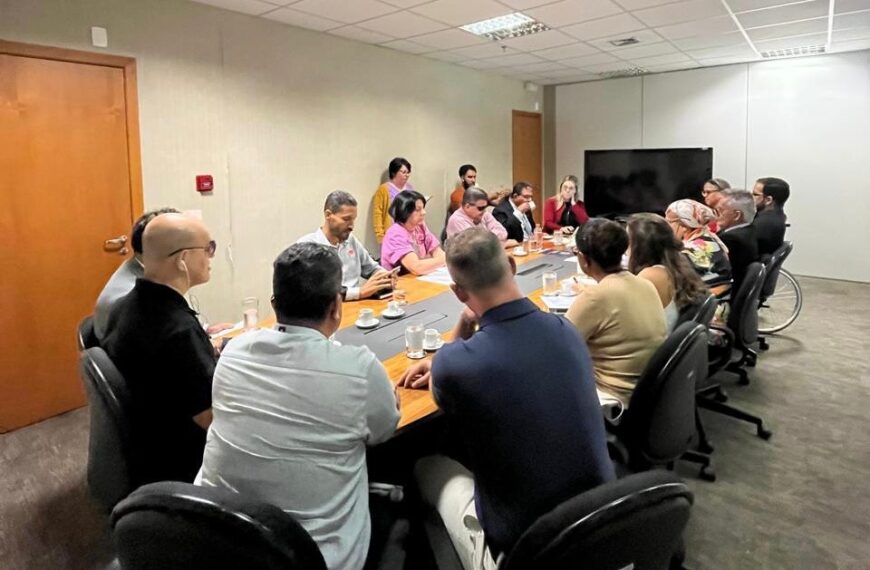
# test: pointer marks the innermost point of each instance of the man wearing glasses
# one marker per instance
(473, 213)
(163, 353)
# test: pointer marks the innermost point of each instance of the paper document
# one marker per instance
(440, 276)
(558, 303)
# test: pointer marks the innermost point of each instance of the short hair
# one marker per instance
(719, 183)
(742, 201)
(519, 187)
(604, 242)
(305, 281)
(463, 170)
(776, 188)
(337, 200)
(396, 165)
(473, 194)
(476, 259)
(404, 204)
(139, 226)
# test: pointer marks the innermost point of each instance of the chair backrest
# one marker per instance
(86, 338)
(772, 267)
(635, 522)
(743, 318)
(172, 525)
(701, 313)
(659, 423)
(110, 471)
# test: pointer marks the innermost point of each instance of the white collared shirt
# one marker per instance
(356, 263)
(524, 220)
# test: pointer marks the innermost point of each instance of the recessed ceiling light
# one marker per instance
(625, 42)
(504, 27)
(793, 52)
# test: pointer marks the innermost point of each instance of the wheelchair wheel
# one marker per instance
(782, 308)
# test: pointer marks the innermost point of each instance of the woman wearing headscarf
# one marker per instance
(689, 220)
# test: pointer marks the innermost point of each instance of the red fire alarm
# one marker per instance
(204, 183)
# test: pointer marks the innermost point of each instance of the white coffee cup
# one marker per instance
(567, 287)
(366, 316)
(431, 337)
(393, 307)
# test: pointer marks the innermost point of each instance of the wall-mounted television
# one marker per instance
(622, 182)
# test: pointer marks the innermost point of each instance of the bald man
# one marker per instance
(165, 356)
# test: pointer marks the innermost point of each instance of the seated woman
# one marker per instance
(564, 212)
(656, 255)
(399, 171)
(408, 242)
(689, 220)
(621, 317)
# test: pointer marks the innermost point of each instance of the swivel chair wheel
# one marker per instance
(705, 447)
(762, 344)
(743, 379)
(763, 433)
(707, 474)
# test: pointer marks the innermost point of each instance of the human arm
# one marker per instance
(417, 375)
(551, 218)
(193, 356)
(496, 228)
(587, 313)
(466, 325)
(381, 405)
(413, 263)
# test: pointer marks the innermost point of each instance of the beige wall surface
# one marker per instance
(280, 116)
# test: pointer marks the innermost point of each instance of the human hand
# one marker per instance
(511, 243)
(567, 230)
(467, 324)
(380, 280)
(524, 207)
(214, 329)
(417, 375)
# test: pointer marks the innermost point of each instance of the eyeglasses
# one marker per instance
(480, 208)
(209, 249)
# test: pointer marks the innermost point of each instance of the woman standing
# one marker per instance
(399, 172)
(564, 212)
(409, 243)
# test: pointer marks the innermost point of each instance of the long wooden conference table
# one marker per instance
(417, 404)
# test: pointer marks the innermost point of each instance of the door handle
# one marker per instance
(116, 245)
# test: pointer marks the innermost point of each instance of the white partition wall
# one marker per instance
(805, 120)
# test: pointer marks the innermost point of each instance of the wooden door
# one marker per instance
(68, 182)
(527, 155)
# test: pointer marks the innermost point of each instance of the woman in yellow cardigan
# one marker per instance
(399, 171)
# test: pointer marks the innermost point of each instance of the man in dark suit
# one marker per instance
(515, 213)
(770, 195)
(736, 213)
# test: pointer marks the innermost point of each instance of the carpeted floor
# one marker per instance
(798, 501)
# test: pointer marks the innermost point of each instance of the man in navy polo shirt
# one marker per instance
(517, 383)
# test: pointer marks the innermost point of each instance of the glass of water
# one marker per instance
(551, 283)
(250, 313)
(414, 341)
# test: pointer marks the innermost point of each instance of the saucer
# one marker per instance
(431, 348)
(388, 315)
(370, 325)
(571, 294)
(519, 252)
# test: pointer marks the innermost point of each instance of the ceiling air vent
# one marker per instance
(627, 72)
(793, 52)
(622, 42)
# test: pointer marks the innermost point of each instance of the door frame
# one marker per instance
(539, 193)
(131, 101)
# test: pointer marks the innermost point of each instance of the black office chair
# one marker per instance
(86, 337)
(110, 472)
(659, 424)
(178, 526)
(635, 522)
(701, 313)
(772, 270)
(741, 333)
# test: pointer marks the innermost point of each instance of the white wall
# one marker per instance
(805, 120)
(280, 116)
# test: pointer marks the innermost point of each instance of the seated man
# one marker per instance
(294, 411)
(339, 213)
(531, 420)
(165, 356)
(473, 213)
(770, 195)
(736, 212)
(123, 279)
(515, 213)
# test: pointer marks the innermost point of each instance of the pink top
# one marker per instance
(459, 221)
(399, 242)
(393, 189)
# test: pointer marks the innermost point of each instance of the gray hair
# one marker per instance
(476, 260)
(742, 201)
(338, 199)
(473, 194)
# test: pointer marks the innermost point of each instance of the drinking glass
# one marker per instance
(414, 341)
(399, 296)
(250, 313)
(551, 283)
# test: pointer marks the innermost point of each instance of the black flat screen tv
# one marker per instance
(623, 182)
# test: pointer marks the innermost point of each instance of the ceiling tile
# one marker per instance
(343, 11)
(643, 36)
(710, 26)
(667, 59)
(301, 19)
(407, 46)
(545, 67)
(603, 27)
(632, 5)
(525, 4)
(605, 67)
(405, 3)
(790, 13)
(856, 20)
(490, 49)
(701, 42)
(680, 12)
(819, 25)
(727, 51)
(564, 73)
(567, 12)
(361, 35)
(748, 5)
(853, 45)
(542, 40)
(449, 39)
(480, 63)
(461, 12)
(844, 6)
(255, 7)
(514, 59)
(564, 52)
(586, 61)
(645, 50)
(402, 25)
(800, 41)
(727, 60)
(672, 67)
(851, 34)
(447, 56)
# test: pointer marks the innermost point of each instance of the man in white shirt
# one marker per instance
(339, 212)
(293, 411)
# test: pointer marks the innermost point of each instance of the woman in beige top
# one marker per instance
(621, 318)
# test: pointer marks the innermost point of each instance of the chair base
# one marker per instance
(713, 405)
(707, 473)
